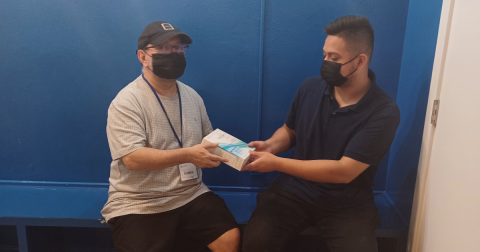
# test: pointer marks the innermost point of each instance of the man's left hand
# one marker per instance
(264, 162)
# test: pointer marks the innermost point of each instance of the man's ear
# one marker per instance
(142, 57)
(362, 61)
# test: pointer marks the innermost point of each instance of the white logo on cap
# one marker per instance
(167, 26)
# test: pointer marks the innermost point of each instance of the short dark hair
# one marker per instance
(356, 31)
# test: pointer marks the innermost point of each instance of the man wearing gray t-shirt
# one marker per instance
(157, 200)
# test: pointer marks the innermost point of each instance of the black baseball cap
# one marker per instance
(158, 32)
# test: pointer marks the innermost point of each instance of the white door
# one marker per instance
(446, 213)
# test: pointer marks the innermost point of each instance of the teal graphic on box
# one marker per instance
(230, 147)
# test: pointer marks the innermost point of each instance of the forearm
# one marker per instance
(149, 159)
(326, 171)
(282, 140)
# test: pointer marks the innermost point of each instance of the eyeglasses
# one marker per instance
(166, 49)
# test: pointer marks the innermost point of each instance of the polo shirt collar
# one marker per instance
(365, 99)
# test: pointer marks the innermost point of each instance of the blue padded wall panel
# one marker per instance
(64, 61)
(412, 97)
(294, 51)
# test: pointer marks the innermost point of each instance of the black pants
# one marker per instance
(278, 217)
(188, 228)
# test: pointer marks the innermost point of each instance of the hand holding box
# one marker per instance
(229, 147)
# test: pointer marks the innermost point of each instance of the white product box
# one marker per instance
(229, 147)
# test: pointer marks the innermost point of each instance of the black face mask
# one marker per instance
(330, 72)
(168, 66)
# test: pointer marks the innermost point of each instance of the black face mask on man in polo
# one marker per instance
(168, 66)
(330, 72)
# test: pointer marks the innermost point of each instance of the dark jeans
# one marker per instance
(279, 216)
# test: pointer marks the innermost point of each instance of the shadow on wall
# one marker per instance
(404, 164)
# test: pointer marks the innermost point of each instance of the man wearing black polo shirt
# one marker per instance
(341, 124)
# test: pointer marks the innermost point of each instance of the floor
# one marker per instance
(61, 239)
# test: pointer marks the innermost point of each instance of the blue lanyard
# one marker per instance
(181, 119)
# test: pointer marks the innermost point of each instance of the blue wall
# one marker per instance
(412, 97)
(64, 61)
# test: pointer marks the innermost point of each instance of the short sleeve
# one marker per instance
(292, 112)
(125, 126)
(372, 141)
(206, 124)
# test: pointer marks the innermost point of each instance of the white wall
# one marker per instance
(452, 201)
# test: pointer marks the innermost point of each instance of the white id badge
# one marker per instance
(188, 171)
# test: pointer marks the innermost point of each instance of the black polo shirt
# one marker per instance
(363, 131)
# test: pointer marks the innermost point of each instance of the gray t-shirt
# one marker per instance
(136, 120)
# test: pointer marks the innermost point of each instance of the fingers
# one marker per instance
(247, 167)
(251, 166)
(217, 158)
(255, 154)
(209, 145)
(252, 158)
(255, 144)
(208, 164)
(214, 164)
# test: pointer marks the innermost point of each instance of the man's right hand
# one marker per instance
(201, 157)
(282, 140)
(260, 146)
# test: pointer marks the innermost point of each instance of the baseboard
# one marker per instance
(395, 208)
